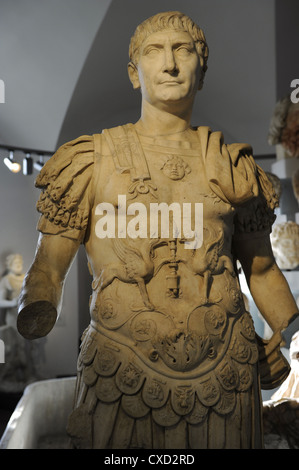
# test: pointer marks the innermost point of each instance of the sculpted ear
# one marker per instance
(133, 75)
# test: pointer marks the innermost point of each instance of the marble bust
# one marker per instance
(22, 357)
(10, 287)
(170, 358)
(285, 244)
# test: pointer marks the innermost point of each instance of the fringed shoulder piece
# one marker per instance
(236, 178)
(256, 216)
(64, 181)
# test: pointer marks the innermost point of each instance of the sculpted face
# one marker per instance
(15, 265)
(175, 167)
(168, 69)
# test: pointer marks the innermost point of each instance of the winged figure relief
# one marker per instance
(209, 260)
(136, 266)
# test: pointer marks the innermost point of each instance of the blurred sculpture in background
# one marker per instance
(284, 134)
(10, 287)
(284, 129)
(290, 387)
(23, 359)
(281, 413)
(285, 244)
(277, 186)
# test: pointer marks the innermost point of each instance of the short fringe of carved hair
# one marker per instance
(170, 20)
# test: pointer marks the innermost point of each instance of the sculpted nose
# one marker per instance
(170, 65)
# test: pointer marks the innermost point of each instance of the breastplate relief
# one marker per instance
(175, 168)
(168, 295)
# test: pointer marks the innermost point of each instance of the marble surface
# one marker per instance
(40, 418)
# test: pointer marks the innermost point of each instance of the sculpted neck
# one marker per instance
(157, 121)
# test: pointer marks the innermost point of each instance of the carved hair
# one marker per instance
(176, 159)
(170, 20)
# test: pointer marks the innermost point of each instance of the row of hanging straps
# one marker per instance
(127, 152)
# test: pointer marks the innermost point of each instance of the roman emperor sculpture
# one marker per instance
(170, 358)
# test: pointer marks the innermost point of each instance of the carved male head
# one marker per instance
(169, 22)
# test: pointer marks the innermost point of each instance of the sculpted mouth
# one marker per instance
(170, 82)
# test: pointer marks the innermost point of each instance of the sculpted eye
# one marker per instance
(151, 51)
(185, 50)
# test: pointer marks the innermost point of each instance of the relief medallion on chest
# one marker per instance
(174, 167)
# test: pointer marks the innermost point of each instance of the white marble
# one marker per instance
(42, 412)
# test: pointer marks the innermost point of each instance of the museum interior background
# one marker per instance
(63, 64)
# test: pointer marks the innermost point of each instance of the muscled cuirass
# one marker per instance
(165, 314)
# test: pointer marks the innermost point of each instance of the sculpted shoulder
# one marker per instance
(64, 181)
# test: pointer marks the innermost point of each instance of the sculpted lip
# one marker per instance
(171, 82)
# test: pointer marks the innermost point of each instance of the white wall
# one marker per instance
(43, 46)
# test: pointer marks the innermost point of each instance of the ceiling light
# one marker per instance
(39, 164)
(27, 165)
(12, 165)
